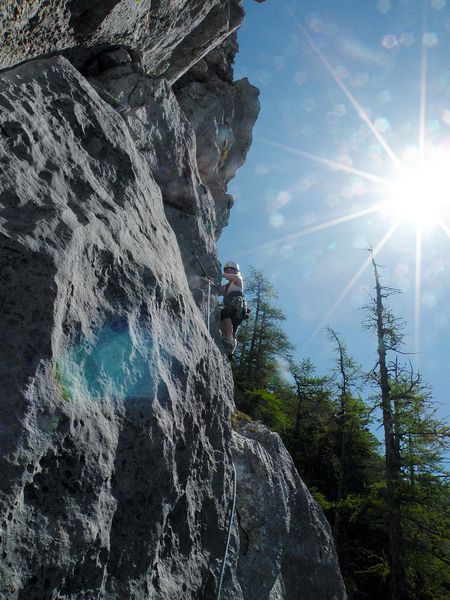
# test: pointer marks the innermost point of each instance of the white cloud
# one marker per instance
(264, 169)
(357, 51)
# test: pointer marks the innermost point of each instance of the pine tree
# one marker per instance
(311, 437)
(389, 338)
(262, 341)
(415, 442)
(389, 508)
(348, 372)
(423, 441)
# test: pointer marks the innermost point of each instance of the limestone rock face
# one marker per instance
(222, 114)
(165, 137)
(169, 36)
(115, 434)
(116, 401)
(286, 546)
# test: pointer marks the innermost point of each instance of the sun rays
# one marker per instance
(337, 166)
(411, 194)
(417, 294)
(326, 319)
(423, 85)
(362, 114)
(315, 228)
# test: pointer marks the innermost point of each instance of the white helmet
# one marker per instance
(231, 264)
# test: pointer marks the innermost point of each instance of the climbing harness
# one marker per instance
(240, 306)
(233, 507)
(237, 301)
(233, 300)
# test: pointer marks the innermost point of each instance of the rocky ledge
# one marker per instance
(286, 547)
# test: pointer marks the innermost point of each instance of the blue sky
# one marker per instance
(355, 95)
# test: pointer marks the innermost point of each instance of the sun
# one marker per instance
(421, 194)
(412, 192)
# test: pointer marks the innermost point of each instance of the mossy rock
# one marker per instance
(239, 416)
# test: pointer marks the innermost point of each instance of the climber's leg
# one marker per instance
(226, 326)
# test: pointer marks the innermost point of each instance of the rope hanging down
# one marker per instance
(210, 284)
(233, 503)
(233, 507)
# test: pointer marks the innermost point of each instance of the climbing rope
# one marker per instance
(233, 506)
(208, 305)
(210, 284)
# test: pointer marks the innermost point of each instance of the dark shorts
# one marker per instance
(230, 312)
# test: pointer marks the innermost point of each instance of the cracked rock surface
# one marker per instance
(286, 547)
(116, 400)
(169, 36)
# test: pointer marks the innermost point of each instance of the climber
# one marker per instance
(234, 309)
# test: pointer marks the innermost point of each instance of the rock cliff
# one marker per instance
(120, 127)
(286, 549)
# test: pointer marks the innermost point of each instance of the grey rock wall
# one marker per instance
(115, 400)
(166, 139)
(222, 113)
(286, 546)
(115, 435)
(169, 36)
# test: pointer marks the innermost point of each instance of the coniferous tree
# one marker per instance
(369, 496)
(415, 443)
(311, 437)
(389, 338)
(347, 371)
(423, 440)
(262, 341)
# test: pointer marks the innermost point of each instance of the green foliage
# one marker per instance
(327, 426)
(379, 568)
(320, 498)
(262, 340)
(267, 407)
